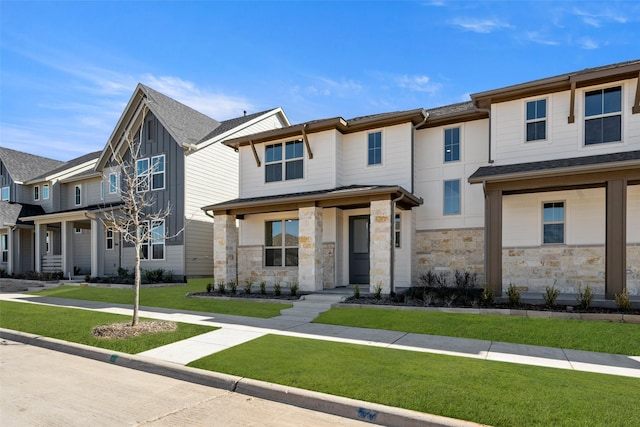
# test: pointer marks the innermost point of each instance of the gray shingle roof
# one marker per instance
(186, 125)
(10, 212)
(227, 125)
(24, 166)
(70, 164)
(519, 168)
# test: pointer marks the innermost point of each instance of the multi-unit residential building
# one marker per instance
(54, 220)
(536, 184)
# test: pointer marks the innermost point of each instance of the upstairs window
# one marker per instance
(4, 239)
(113, 183)
(603, 116)
(553, 223)
(536, 120)
(78, 195)
(451, 145)
(36, 193)
(293, 163)
(157, 172)
(45, 191)
(374, 148)
(142, 175)
(452, 197)
(6, 193)
(152, 247)
(281, 243)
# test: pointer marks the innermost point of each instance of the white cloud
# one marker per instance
(537, 37)
(596, 19)
(588, 43)
(482, 26)
(325, 86)
(417, 83)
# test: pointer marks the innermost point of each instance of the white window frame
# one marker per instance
(536, 119)
(374, 149)
(113, 183)
(77, 195)
(555, 222)
(6, 193)
(458, 143)
(154, 172)
(36, 193)
(4, 247)
(77, 230)
(284, 160)
(109, 237)
(142, 176)
(397, 231)
(152, 241)
(45, 191)
(602, 116)
(445, 198)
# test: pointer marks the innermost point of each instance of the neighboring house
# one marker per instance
(534, 184)
(17, 200)
(184, 165)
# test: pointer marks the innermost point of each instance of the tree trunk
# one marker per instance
(136, 286)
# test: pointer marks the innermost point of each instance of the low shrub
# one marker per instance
(221, 287)
(356, 291)
(487, 296)
(585, 298)
(263, 288)
(550, 296)
(294, 289)
(233, 287)
(247, 287)
(623, 301)
(276, 289)
(513, 295)
(153, 276)
(377, 291)
(209, 287)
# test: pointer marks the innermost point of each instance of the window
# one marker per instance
(536, 120)
(451, 145)
(553, 223)
(78, 195)
(397, 228)
(281, 243)
(293, 162)
(4, 245)
(375, 148)
(152, 241)
(47, 240)
(452, 197)
(36, 193)
(109, 239)
(150, 131)
(45, 191)
(157, 172)
(603, 118)
(78, 230)
(142, 175)
(5, 193)
(113, 183)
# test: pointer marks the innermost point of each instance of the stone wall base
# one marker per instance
(329, 265)
(450, 250)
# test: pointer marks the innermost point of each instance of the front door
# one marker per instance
(359, 250)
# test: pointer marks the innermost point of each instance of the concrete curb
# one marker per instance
(336, 405)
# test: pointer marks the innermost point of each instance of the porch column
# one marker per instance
(11, 247)
(493, 240)
(616, 238)
(40, 246)
(310, 249)
(97, 248)
(225, 248)
(66, 245)
(381, 245)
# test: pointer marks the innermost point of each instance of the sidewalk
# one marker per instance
(235, 330)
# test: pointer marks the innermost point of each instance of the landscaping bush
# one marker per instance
(550, 296)
(233, 287)
(294, 289)
(585, 298)
(221, 287)
(263, 288)
(622, 301)
(247, 287)
(513, 294)
(276, 289)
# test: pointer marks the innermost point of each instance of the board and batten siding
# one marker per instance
(173, 260)
(395, 168)
(319, 172)
(431, 171)
(564, 140)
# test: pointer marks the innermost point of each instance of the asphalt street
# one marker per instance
(40, 387)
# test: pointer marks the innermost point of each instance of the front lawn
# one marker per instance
(170, 297)
(607, 337)
(75, 325)
(494, 393)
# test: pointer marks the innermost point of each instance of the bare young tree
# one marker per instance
(136, 218)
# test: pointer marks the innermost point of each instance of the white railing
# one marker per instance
(51, 263)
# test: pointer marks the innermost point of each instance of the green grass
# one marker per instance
(171, 297)
(500, 394)
(75, 325)
(608, 337)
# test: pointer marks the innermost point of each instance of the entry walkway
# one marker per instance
(235, 330)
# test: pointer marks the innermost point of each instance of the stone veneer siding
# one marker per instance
(251, 268)
(451, 249)
(225, 245)
(328, 265)
(310, 249)
(380, 245)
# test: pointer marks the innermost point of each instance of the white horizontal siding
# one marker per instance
(431, 171)
(564, 140)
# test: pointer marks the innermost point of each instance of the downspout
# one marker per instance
(415, 127)
(393, 243)
(488, 111)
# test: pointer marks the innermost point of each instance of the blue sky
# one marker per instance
(69, 68)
